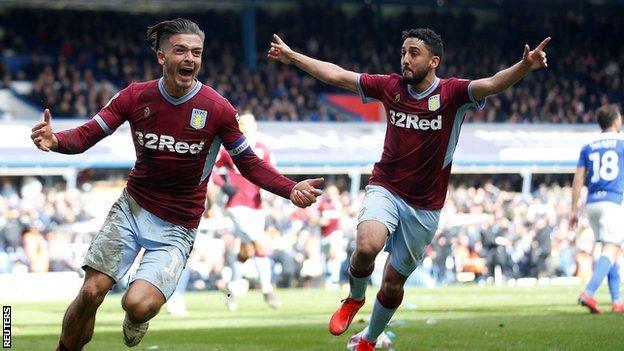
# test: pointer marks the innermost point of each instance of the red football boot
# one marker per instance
(617, 307)
(589, 302)
(358, 343)
(341, 319)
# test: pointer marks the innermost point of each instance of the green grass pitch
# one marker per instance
(449, 318)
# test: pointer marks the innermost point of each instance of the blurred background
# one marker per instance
(505, 218)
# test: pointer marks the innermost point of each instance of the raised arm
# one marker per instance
(71, 141)
(531, 60)
(577, 184)
(325, 71)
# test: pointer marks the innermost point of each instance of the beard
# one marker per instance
(417, 76)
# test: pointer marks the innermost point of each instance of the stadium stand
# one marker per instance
(76, 61)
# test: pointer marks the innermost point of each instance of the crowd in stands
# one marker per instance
(487, 228)
(77, 60)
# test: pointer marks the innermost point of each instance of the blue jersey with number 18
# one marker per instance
(604, 161)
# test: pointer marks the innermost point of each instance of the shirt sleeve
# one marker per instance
(110, 117)
(231, 137)
(460, 91)
(117, 110)
(80, 139)
(583, 161)
(263, 174)
(371, 86)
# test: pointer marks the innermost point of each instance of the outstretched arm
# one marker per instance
(577, 184)
(261, 173)
(71, 141)
(325, 71)
(531, 60)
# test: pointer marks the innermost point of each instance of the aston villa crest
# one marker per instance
(397, 97)
(198, 118)
(434, 102)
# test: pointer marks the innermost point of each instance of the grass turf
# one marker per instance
(449, 318)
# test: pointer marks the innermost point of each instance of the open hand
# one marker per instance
(305, 192)
(536, 58)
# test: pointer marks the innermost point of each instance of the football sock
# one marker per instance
(383, 310)
(613, 279)
(263, 265)
(601, 268)
(237, 271)
(358, 281)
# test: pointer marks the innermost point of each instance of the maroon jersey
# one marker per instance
(176, 141)
(421, 135)
(247, 193)
(328, 211)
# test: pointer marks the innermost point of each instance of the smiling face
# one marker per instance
(181, 59)
(416, 60)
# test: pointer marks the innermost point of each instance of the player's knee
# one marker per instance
(392, 289)
(141, 308)
(368, 249)
(93, 293)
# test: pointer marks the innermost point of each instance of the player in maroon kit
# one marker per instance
(244, 207)
(178, 125)
(332, 237)
(408, 186)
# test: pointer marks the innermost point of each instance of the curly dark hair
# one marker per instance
(432, 40)
(159, 33)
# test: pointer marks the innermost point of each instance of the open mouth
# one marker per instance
(185, 72)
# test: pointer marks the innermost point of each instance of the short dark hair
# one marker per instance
(432, 40)
(606, 115)
(159, 33)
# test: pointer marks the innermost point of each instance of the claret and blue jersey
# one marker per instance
(604, 161)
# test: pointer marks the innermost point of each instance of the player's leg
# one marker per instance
(252, 231)
(265, 273)
(108, 259)
(79, 318)
(141, 302)
(601, 269)
(336, 255)
(387, 302)
(237, 285)
(614, 281)
(167, 247)
(232, 259)
(603, 217)
(176, 306)
(378, 219)
(406, 247)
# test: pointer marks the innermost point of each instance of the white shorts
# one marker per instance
(126, 230)
(605, 219)
(248, 223)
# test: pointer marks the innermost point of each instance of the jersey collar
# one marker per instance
(181, 99)
(427, 91)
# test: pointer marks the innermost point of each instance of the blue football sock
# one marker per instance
(358, 281)
(614, 283)
(378, 321)
(601, 269)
